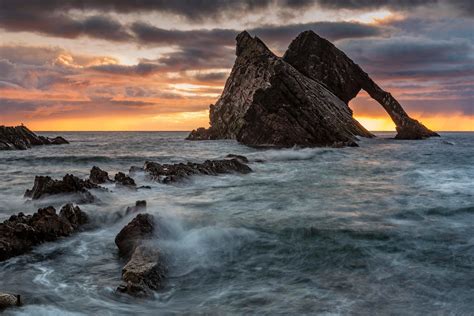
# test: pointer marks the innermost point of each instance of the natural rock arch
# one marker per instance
(319, 59)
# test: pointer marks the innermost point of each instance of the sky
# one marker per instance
(141, 65)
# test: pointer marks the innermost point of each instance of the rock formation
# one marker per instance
(21, 232)
(300, 99)
(145, 270)
(124, 180)
(167, 173)
(98, 176)
(20, 137)
(46, 186)
(320, 60)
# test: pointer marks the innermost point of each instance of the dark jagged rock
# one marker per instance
(167, 173)
(240, 158)
(9, 300)
(139, 229)
(21, 232)
(145, 270)
(140, 206)
(319, 59)
(203, 134)
(122, 179)
(20, 137)
(300, 99)
(46, 186)
(98, 176)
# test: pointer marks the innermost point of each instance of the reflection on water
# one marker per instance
(383, 228)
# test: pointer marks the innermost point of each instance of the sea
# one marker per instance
(386, 228)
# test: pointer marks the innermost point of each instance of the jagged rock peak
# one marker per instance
(251, 46)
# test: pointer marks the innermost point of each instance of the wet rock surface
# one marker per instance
(145, 270)
(45, 186)
(124, 180)
(300, 99)
(9, 300)
(169, 173)
(20, 137)
(21, 232)
(98, 176)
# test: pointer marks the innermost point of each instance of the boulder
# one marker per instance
(139, 229)
(21, 232)
(145, 270)
(9, 300)
(20, 137)
(46, 186)
(98, 176)
(124, 180)
(168, 173)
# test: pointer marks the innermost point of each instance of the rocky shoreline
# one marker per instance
(145, 269)
(21, 138)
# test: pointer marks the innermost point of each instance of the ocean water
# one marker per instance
(386, 228)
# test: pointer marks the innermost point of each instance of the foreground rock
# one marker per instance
(289, 101)
(21, 232)
(98, 176)
(168, 173)
(20, 137)
(320, 60)
(145, 270)
(9, 300)
(45, 186)
(123, 180)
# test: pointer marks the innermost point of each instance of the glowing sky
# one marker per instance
(157, 65)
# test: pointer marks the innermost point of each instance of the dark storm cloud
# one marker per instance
(412, 56)
(211, 76)
(17, 18)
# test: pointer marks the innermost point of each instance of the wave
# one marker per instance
(289, 154)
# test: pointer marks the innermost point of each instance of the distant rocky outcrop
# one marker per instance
(20, 137)
(168, 173)
(145, 270)
(45, 186)
(21, 232)
(300, 99)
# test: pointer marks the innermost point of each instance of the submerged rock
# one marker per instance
(20, 137)
(98, 176)
(140, 206)
(168, 173)
(9, 300)
(300, 99)
(240, 158)
(46, 186)
(21, 232)
(145, 270)
(124, 180)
